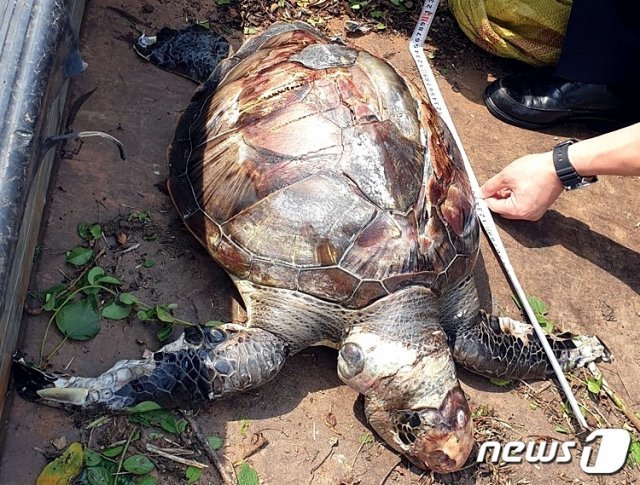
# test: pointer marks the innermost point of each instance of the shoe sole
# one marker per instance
(602, 124)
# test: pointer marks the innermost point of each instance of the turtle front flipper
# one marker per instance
(500, 347)
(202, 365)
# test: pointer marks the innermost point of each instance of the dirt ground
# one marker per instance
(582, 259)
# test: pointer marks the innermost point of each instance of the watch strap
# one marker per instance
(567, 174)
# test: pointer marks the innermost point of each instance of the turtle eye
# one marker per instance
(352, 355)
(461, 418)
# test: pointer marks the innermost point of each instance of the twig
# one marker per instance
(386, 477)
(113, 445)
(177, 459)
(227, 473)
(313, 470)
(614, 396)
(258, 442)
(353, 462)
(333, 445)
(124, 451)
(177, 451)
(66, 367)
(130, 248)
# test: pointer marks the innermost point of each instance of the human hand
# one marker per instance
(524, 189)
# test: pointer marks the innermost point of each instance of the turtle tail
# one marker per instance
(202, 365)
(500, 347)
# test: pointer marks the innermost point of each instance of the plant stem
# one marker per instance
(54, 351)
(71, 296)
(124, 452)
(57, 310)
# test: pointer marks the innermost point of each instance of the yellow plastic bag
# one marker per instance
(530, 31)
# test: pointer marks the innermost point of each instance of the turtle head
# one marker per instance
(412, 396)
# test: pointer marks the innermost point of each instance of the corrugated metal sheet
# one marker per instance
(38, 55)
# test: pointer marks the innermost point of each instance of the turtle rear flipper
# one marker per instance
(193, 52)
(500, 347)
(202, 365)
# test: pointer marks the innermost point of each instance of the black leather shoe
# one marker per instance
(539, 100)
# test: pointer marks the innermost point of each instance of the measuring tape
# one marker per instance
(482, 211)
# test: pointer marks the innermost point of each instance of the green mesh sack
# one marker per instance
(530, 31)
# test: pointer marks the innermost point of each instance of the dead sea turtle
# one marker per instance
(330, 190)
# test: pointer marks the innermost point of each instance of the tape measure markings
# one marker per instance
(482, 210)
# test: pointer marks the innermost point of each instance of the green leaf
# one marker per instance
(78, 320)
(111, 280)
(164, 332)
(94, 274)
(633, 457)
(247, 475)
(168, 423)
(149, 263)
(171, 306)
(365, 438)
(594, 385)
(79, 256)
(215, 442)
(533, 406)
(244, 426)
(91, 458)
(156, 417)
(193, 474)
(83, 231)
(146, 315)
(560, 429)
(181, 426)
(140, 216)
(127, 298)
(213, 323)
(164, 315)
(540, 309)
(144, 406)
(98, 475)
(96, 231)
(499, 382)
(545, 323)
(96, 423)
(111, 452)
(50, 296)
(89, 232)
(113, 311)
(64, 468)
(537, 305)
(155, 436)
(138, 464)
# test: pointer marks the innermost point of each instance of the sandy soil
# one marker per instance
(582, 259)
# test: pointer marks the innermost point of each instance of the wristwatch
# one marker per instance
(570, 179)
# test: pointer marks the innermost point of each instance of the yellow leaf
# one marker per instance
(64, 468)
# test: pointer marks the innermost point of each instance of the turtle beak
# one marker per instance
(439, 439)
(447, 437)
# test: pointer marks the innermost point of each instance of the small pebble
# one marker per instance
(60, 443)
